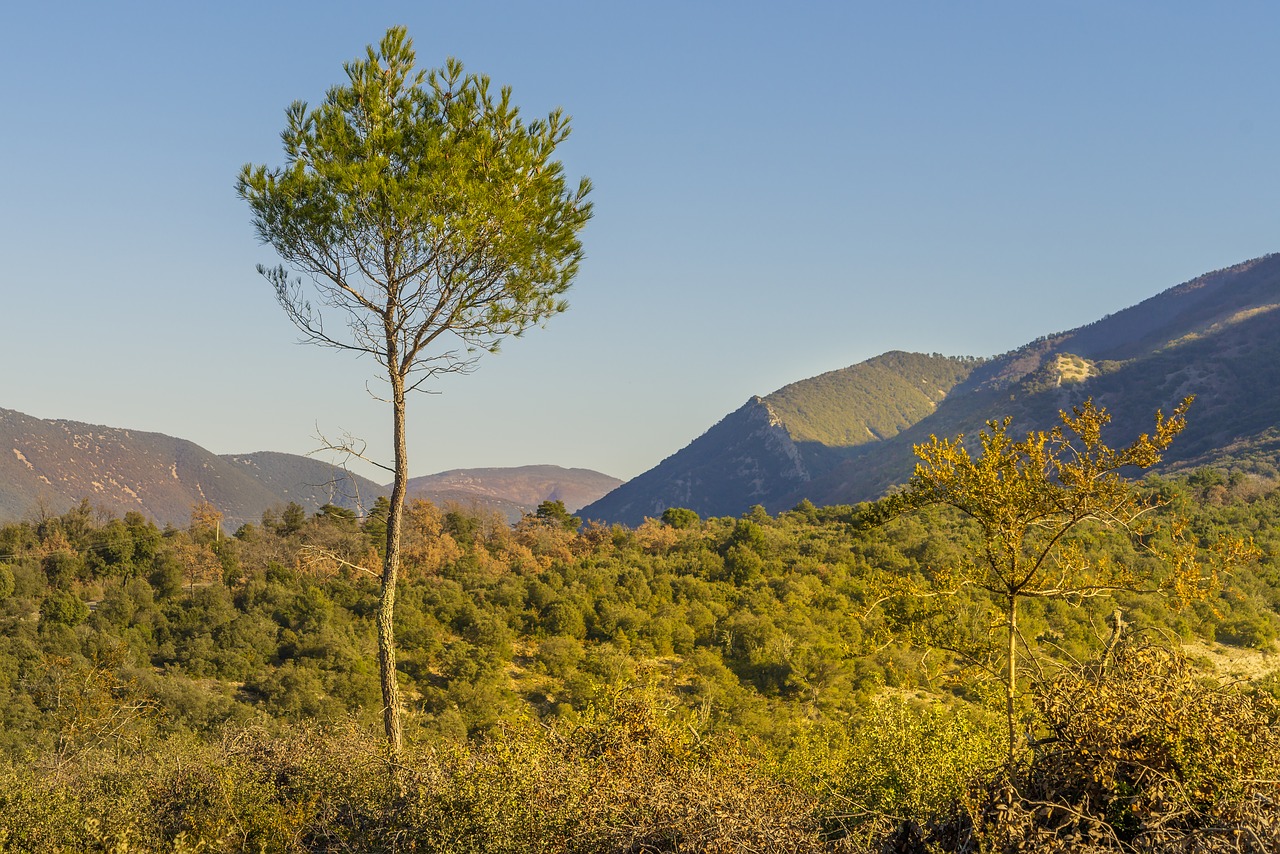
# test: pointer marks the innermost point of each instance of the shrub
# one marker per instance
(1140, 753)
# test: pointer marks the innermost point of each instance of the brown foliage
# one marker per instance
(426, 546)
(1145, 754)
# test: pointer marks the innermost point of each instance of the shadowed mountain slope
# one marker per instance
(773, 446)
(309, 482)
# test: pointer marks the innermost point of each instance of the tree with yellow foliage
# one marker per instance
(1031, 498)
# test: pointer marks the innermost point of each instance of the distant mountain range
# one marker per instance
(513, 491)
(54, 464)
(847, 436)
(841, 437)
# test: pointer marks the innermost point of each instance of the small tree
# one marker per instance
(432, 218)
(1028, 498)
(555, 513)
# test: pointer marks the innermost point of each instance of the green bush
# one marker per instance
(61, 608)
(911, 759)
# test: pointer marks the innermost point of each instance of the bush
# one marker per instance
(1141, 753)
(626, 779)
(680, 517)
(61, 608)
(559, 656)
(907, 759)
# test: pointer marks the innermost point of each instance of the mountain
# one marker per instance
(773, 446)
(1216, 337)
(308, 481)
(55, 464)
(513, 491)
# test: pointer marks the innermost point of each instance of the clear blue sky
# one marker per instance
(781, 190)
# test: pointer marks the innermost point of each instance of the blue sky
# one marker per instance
(781, 190)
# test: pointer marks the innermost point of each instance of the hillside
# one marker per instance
(48, 466)
(308, 481)
(773, 446)
(867, 402)
(747, 456)
(1216, 337)
(57, 463)
(847, 436)
(513, 491)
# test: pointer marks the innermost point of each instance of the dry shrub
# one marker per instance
(653, 788)
(656, 538)
(626, 780)
(1145, 754)
(426, 546)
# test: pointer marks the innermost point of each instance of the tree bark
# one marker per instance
(1117, 629)
(1011, 678)
(390, 571)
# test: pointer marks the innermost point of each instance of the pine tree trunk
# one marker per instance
(390, 571)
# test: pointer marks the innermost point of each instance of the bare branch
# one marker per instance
(351, 447)
(312, 556)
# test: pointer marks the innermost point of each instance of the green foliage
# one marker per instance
(64, 609)
(443, 174)
(899, 760)
(434, 220)
(680, 517)
(166, 576)
(908, 759)
(63, 568)
(555, 513)
(292, 519)
(375, 524)
(519, 636)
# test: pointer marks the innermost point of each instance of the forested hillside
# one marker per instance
(867, 402)
(757, 682)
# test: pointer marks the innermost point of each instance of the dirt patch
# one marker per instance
(1234, 663)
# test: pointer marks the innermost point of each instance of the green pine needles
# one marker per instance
(422, 210)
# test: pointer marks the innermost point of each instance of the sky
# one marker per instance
(780, 190)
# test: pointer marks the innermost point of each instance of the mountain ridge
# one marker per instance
(1216, 336)
(772, 446)
(48, 465)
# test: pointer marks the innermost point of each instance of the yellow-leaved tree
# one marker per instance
(1032, 500)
